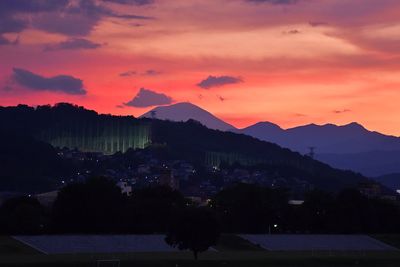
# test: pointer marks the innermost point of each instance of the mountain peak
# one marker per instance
(354, 125)
(183, 105)
(184, 111)
(265, 124)
(262, 130)
(330, 126)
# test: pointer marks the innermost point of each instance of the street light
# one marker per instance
(269, 228)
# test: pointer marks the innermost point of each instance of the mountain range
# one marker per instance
(65, 125)
(328, 138)
(350, 146)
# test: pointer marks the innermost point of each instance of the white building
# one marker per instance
(125, 188)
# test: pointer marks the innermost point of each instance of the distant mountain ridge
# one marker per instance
(371, 163)
(349, 146)
(328, 138)
(185, 111)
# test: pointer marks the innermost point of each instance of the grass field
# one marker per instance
(231, 242)
(9, 246)
(233, 252)
(393, 240)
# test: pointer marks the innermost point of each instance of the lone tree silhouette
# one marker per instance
(195, 229)
(89, 207)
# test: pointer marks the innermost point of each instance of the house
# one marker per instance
(125, 188)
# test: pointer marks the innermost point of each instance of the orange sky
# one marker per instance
(309, 61)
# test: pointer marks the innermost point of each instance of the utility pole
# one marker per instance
(311, 153)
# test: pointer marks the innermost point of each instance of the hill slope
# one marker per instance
(392, 181)
(76, 127)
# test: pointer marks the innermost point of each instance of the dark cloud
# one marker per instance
(147, 98)
(68, 24)
(60, 83)
(78, 20)
(92, 9)
(11, 25)
(217, 81)
(129, 16)
(9, 9)
(136, 24)
(127, 73)
(151, 73)
(31, 6)
(131, 2)
(341, 111)
(292, 32)
(275, 2)
(72, 44)
(73, 18)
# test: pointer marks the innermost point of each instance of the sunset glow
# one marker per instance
(307, 61)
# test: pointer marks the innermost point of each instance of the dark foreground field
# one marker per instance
(232, 252)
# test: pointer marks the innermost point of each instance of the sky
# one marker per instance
(290, 62)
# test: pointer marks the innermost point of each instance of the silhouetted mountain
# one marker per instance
(371, 164)
(328, 138)
(392, 181)
(76, 127)
(349, 146)
(186, 111)
(262, 129)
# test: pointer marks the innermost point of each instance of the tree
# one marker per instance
(246, 208)
(195, 229)
(22, 215)
(148, 210)
(351, 212)
(91, 207)
(317, 215)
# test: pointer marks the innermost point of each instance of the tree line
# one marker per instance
(98, 206)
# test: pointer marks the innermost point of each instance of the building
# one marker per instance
(370, 189)
(47, 199)
(125, 188)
